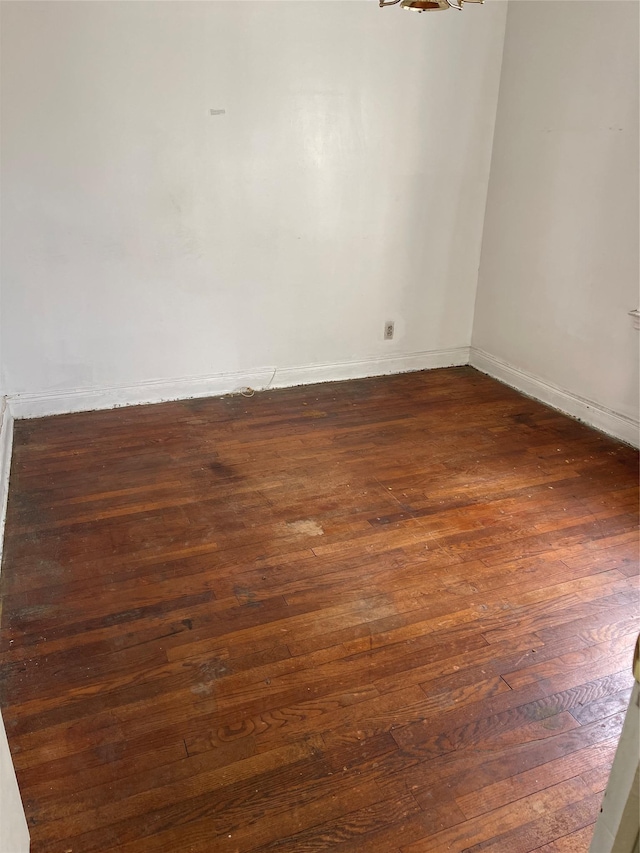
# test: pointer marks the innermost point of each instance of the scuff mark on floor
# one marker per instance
(304, 527)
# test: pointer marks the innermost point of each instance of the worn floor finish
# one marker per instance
(380, 615)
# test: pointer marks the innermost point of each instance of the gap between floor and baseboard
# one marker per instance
(160, 391)
(54, 403)
(618, 426)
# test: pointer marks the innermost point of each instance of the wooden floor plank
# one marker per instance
(486, 828)
(556, 824)
(393, 614)
(521, 785)
(574, 842)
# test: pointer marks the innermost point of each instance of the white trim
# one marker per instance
(406, 363)
(14, 833)
(157, 391)
(617, 824)
(6, 444)
(619, 426)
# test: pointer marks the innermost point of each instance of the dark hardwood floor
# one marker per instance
(384, 615)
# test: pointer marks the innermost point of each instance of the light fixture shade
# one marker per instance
(424, 5)
(428, 5)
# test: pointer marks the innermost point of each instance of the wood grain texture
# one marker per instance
(392, 615)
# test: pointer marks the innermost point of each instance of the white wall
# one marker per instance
(559, 268)
(145, 239)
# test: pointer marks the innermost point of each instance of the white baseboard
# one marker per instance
(619, 426)
(308, 375)
(157, 391)
(90, 399)
(6, 443)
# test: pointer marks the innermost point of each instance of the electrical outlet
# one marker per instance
(388, 330)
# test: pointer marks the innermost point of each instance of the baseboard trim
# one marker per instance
(64, 402)
(6, 444)
(616, 425)
(55, 403)
(431, 360)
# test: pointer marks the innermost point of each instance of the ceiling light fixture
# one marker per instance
(428, 5)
